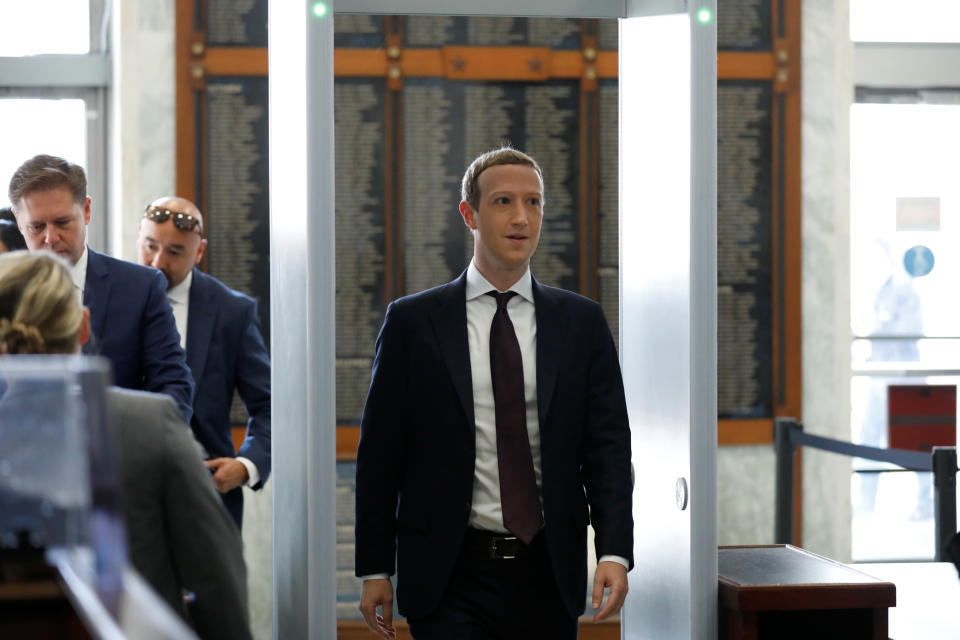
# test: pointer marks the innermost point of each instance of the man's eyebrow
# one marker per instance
(176, 245)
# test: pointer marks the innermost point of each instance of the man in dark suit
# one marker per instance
(495, 416)
(220, 330)
(131, 319)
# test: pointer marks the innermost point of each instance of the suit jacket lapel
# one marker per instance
(450, 324)
(201, 318)
(551, 334)
(96, 292)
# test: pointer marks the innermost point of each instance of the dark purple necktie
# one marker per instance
(518, 483)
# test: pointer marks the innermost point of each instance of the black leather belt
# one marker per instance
(490, 544)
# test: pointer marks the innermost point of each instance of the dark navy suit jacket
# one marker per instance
(226, 353)
(133, 326)
(415, 462)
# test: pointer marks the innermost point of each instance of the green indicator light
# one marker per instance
(320, 9)
(704, 16)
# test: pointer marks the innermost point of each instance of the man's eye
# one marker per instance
(502, 200)
(174, 254)
(535, 202)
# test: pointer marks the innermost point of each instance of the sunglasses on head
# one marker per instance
(182, 221)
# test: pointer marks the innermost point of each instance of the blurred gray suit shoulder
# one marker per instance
(180, 536)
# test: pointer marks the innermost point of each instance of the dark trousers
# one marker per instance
(499, 599)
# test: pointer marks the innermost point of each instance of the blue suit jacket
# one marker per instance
(415, 463)
(226, 353)
(133, 326)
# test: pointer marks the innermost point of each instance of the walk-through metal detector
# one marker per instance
(668, 241)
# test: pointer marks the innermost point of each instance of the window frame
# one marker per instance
(78, 76)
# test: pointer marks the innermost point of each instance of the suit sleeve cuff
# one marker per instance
(376, 576)
(617, 559)
(251, 471)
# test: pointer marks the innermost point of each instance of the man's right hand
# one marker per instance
(378, 592)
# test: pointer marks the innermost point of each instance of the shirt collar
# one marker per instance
(477, 285)
(181, 293)
(78, 272)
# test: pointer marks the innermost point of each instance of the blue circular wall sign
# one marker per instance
(918, 261)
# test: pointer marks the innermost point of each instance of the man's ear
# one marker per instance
(468, 214)
(84, 334)
(86, 210)
(200, 250)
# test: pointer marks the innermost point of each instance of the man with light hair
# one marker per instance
(131, 321)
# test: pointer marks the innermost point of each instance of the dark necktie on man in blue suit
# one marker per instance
(518, 482)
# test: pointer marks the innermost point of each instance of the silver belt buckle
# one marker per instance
(494, 548)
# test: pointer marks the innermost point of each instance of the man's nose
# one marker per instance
(518, 215)
(50, 236)
(158, 262)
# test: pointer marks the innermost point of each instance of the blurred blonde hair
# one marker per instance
(40, 311)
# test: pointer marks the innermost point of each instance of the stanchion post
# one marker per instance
(785, 448)
(944, 496)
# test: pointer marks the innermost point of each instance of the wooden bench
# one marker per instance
(784, 592)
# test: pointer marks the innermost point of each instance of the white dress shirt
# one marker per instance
(78, 273)
(179, 298)
(486, 512)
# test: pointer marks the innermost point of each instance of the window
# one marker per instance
(54, 72)
(898, 21)
(905, 315)
(45, 26)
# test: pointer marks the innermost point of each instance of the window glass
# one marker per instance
(905, 221)
(880, 356)
(892, 509)
(899, 21)
(44, 26)
(905, 314)
(55, 127)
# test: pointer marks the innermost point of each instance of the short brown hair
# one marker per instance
(470, 189)
(43, 172)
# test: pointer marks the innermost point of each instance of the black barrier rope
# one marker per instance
(910, 460)
(788, 435)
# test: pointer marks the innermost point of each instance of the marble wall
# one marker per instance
(143, 118)
(827, 96)
(746, 474)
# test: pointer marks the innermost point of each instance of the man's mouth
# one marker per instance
(517, 236)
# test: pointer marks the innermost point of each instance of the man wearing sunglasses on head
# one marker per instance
(225, 350)
(131, 321)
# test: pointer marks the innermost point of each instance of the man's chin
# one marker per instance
(68, 256)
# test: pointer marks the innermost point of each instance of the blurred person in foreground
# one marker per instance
(180, 537)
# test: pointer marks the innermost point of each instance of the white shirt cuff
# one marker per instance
(376, 576)
(251, 471)
(617, 559)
